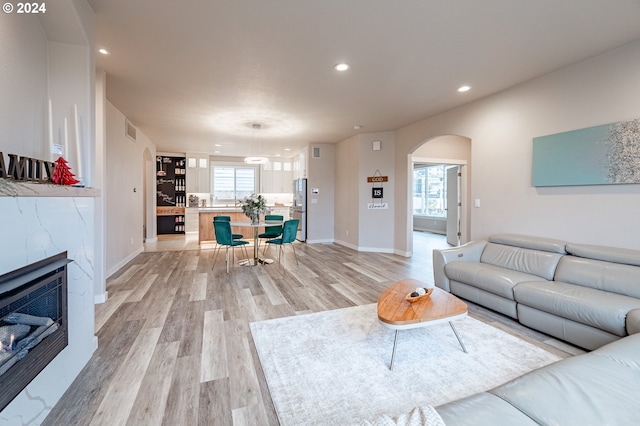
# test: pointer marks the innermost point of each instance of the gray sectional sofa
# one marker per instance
(594, 389)
(598, 388)
(584, 294)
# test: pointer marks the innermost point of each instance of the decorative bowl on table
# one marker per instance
(419, 294)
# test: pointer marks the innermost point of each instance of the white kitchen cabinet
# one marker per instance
(191, 219)
(299, 166)
(282, 211)
(277, 177)
(198, 173)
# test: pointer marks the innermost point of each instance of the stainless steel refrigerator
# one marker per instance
(299, 208)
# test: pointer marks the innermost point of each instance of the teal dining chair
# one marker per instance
(289, 232)
(271, 232)
(228, 219)
(222, 230)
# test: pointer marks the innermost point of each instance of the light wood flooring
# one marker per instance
(174, 341)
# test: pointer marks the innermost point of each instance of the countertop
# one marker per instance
(228, 209)
(216, 209)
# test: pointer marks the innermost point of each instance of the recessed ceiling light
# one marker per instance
(464, 88)
(357, 127)
(341, 67)
(216, 152)
(104, 51)
(217, 144)
(287, 149)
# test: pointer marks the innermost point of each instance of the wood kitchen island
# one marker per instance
(206, 233)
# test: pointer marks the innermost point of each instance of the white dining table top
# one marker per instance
(259, 224)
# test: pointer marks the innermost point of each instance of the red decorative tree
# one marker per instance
(62, 173)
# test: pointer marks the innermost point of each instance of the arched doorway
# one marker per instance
(436, 207)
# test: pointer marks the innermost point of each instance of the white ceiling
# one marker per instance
(193, 74)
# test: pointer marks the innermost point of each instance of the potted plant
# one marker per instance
(253, 206)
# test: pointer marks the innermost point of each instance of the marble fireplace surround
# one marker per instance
(41, 220)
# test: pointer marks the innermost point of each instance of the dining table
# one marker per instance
(256, 226)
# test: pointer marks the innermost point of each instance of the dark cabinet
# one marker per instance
(171, 195)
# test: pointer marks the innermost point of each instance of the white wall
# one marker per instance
(376, 226)
(124, 190)
(320, 207)
(346, 193)
(356, 226)
(600, 90)
(23, 86)
(98, 178)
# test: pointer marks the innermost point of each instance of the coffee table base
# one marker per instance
(395, 344)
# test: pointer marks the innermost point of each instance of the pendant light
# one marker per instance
(258, 159)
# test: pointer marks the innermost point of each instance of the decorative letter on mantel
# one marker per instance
(600, 155)
(26, 169)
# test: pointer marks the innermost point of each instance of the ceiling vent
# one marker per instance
(315, 152)
(130, 130)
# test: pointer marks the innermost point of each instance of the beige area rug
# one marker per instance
(331, 368)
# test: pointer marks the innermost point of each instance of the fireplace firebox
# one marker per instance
(33, 322)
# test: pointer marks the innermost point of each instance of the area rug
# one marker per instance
(331, 368)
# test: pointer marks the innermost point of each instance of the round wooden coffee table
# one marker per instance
(396, 313)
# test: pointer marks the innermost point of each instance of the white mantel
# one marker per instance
(40, 221)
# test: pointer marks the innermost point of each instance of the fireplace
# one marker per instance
(33, 322)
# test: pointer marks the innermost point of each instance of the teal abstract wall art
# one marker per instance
(600, 155)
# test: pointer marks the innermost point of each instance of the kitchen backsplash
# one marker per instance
(273, 199)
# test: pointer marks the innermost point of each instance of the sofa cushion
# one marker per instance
(608, 254)
(534, 243)
(534, 262)
(598, 388)
(633, 321)
(482, 409)
(596, 308)
(494, 279)
(608, 276)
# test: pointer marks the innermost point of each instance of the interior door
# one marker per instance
(453, 206)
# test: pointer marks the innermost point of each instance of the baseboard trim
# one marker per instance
(346, 244)
(100, 298)
(365, 249)
(327, 241)
(403, 253)
(124, 261)
(376, 250)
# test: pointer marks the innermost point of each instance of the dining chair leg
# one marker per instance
(294, 254)
(284, 258)
(246, 253)
(227, 254)
(264, 254)
(215, 256)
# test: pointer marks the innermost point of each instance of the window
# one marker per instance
(429, 190)
(233, 183)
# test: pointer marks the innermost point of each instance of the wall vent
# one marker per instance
(130, 130)
(315, 152)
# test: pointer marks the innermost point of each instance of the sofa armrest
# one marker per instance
(633, 321)
(470, 252)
